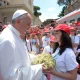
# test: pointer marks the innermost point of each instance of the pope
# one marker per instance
(14, 59)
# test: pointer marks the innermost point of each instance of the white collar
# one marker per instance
(14, 30)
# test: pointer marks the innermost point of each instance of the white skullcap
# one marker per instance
(18, 13)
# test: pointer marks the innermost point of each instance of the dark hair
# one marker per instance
(65, 43)
(75, 33)
(53, 21)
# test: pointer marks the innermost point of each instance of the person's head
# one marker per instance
(53, 23)
(73, 22)
(39, 34)
(73, 31)
(21, 20)
(63, 40)
(33, 34)
(47, 32)
(52, 41)
(27, 35)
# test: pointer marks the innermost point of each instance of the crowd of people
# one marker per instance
(20, 42)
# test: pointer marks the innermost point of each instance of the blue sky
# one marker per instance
(48, 8)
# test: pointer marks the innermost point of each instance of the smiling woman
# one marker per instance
(66, 65)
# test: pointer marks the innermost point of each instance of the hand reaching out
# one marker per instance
(48, 70)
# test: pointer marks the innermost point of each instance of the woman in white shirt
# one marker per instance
(66, 65)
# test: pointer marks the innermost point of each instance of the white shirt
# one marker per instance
(14, 59)
(48, 49)
(78, 50)
(28, 45)
(75, 39)
(65, 62)
(33, 45)
(45, 41)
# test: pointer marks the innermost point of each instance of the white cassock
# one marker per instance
(14, 59)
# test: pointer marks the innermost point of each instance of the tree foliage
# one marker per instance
(61, 14)
(46, 22)
(36, 8)
(36, 13)
(66, 3)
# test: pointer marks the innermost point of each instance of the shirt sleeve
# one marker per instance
(70, 60)
(11, 67)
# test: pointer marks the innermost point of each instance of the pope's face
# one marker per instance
(25, 23)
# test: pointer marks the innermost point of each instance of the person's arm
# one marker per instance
(12, 67)
(70, 65)
(70, 75)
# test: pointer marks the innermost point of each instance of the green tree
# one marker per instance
(47, 21)
(61, 14)
(66, 3)
(36, 13)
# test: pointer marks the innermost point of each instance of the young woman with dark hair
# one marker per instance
(66, 65)
(65, 42)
